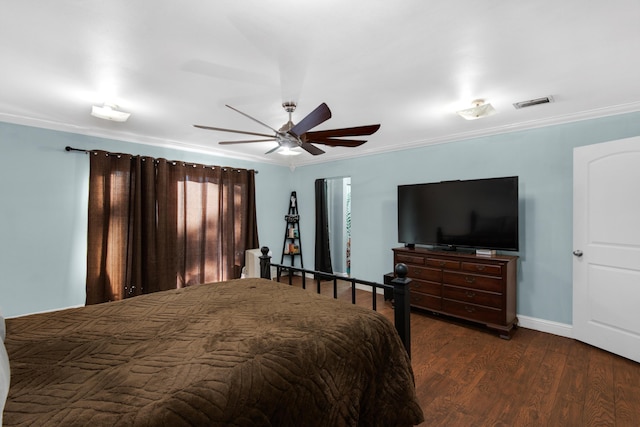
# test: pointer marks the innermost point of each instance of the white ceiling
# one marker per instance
(408, 65)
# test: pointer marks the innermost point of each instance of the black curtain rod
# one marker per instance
(67, 148)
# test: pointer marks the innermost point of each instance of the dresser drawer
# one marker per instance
(443, 263)
(473, 296)
(431, 288)
(475, 281)
(409, 259)
(488, 269)
(424, 273)
(473, 311)
(426, 301)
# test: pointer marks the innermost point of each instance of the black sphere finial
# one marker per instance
(401, 270)
(264, 250)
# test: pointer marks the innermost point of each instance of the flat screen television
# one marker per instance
(478, 213)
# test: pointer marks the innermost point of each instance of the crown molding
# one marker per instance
(306, 161)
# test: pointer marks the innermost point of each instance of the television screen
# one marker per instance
(480, 213)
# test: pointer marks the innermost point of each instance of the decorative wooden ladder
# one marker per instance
(292, 246)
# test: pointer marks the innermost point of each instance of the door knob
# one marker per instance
(577, 253)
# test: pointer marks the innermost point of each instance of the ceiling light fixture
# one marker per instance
(109, 112)
(478, 111)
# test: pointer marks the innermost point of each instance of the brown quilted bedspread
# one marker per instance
(246, 352)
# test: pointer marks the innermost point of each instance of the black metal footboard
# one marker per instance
(399, 285)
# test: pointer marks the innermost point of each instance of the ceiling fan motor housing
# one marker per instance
(289, 141)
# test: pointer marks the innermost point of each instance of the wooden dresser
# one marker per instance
(481, 289)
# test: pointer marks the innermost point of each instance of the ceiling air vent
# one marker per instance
(532, 102)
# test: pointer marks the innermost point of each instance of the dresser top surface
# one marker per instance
(453, 254)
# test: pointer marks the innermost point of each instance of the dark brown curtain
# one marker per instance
(156, 225)
(322, 250)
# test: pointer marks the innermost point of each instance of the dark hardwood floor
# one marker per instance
(467, 376)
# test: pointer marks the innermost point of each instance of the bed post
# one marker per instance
(265, 263)
(402, 305)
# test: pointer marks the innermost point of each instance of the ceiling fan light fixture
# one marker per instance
(109, 112)
(479, 110)
(286, 151)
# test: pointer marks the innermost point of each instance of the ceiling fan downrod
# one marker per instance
(289, 107)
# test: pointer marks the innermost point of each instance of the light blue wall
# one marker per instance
(43, 212)
(542, 158)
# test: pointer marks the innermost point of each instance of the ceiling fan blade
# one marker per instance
(234, 131)
(245, 141)
(273, 149)
(312, 149)
(313, 119)
(337, 142)
(249, 117)
(354, 131)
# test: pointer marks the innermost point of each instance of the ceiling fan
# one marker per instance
(292, 135)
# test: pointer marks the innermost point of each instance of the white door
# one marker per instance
(606, 239)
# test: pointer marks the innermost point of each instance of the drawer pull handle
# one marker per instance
(479, 267)
(469, 279)
(441, 263)
(469, 309)
(470, 294)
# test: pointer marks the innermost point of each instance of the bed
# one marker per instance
(245, 352)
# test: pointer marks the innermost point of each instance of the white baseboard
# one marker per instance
(548, 326)
(358, 286)
(368, 288)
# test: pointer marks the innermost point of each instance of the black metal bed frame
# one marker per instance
(399, 285)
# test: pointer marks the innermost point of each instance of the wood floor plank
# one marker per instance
(627, 400)
(560, 344)
(443, 403)
(565, 412)
(428, 389)
(599, 408)
(542, 390)
(626, 377)
(573, 383)
(479, 363)
(527, 368)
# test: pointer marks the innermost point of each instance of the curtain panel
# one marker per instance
(156, 225)
(322, 249)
